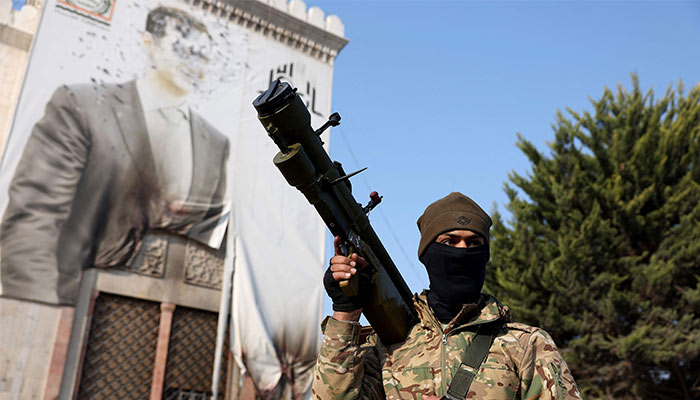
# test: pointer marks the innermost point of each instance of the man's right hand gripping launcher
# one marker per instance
(305, 165)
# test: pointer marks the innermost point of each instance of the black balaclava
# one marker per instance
(456, 274)
(456, 277)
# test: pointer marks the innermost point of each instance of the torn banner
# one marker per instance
(277, 290)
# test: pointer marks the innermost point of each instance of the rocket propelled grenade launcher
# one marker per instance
(305, 164)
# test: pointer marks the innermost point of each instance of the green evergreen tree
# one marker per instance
(603, 248)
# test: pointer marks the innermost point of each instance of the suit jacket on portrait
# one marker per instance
(85, 191)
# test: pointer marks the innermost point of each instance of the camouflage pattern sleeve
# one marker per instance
(543, 371)
(345, 369)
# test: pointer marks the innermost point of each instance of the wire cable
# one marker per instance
(413, 268)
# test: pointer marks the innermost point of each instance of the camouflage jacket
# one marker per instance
(523, 362)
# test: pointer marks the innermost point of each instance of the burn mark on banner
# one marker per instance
(100, 11)
(285, 72)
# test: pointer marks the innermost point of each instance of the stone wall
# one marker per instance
(28, 333)
(17, 29)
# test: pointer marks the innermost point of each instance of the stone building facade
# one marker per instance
(149, 331)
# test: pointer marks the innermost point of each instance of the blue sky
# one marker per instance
(432, 93)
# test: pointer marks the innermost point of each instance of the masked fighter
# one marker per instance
(464, 345)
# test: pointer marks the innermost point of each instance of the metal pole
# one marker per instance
(224, 308)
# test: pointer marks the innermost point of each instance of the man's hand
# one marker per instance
(343, 268)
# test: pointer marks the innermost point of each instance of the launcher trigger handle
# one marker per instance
(350, 287)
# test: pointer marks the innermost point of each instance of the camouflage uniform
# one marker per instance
(523, 362)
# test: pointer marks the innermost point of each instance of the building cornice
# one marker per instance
(289, 23)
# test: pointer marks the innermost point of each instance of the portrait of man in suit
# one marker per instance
(110, 164)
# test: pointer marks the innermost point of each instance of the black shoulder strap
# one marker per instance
(473, 358)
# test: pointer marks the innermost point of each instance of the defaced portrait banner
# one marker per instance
(136, 117)
(117, 133)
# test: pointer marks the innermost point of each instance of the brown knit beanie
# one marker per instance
(454, 211)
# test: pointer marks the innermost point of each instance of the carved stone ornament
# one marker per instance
(151, 258)
(204, 266)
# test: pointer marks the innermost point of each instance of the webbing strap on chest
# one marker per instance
(473, 358)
